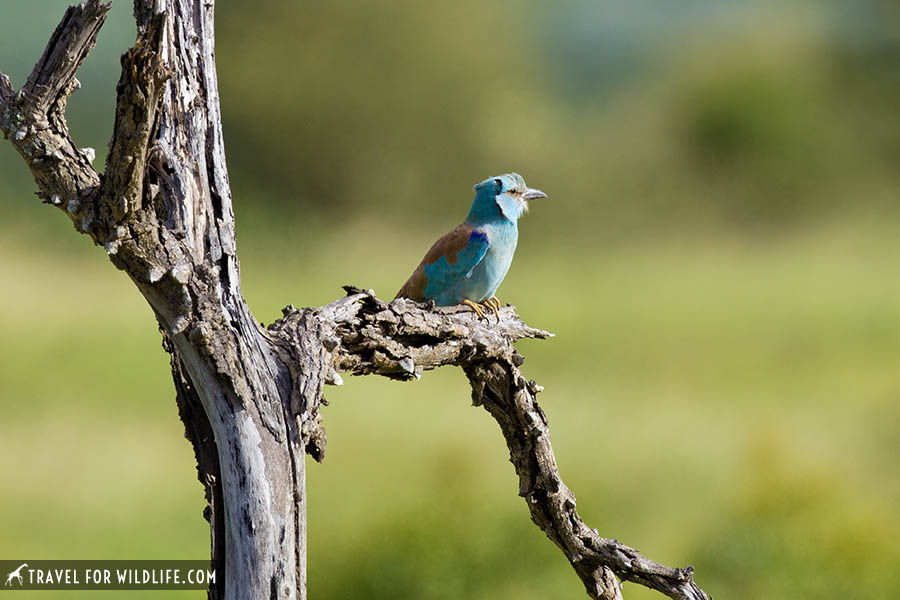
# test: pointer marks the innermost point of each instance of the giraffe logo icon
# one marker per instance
(15, 575)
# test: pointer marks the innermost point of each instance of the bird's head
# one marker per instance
(504, 196)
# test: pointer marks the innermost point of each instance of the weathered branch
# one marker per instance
(500, 388)
(400, 340)
(34, 117)
(140, 88)
(75, 36)
(364, 335)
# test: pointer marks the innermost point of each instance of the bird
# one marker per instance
(467, 265)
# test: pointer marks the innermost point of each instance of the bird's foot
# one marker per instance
(479, 310)
(493, 305)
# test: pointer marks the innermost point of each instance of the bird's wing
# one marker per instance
(451, 258)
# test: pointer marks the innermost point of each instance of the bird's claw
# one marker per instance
(479, 310)
(491, 304)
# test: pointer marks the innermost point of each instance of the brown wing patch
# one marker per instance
(414, 288)
(450, 245)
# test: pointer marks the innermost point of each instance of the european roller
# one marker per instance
(467, 265)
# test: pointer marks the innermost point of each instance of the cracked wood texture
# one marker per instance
(249, 397)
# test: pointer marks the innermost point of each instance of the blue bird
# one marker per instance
(467, 265)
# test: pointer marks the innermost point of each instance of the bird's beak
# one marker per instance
(531, 194)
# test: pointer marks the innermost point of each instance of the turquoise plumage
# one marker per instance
(467, 265)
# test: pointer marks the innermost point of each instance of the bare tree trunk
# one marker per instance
(163, 212)
(249, 396)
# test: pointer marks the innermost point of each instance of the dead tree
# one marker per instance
(249, 396)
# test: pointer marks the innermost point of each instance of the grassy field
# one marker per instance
(729, 402)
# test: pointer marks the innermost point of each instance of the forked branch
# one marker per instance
(365, 336)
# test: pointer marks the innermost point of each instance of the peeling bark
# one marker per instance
(249, 397)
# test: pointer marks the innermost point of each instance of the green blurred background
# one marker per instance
(718, 259)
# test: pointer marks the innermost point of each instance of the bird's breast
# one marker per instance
(502, 239)
(502, 246)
